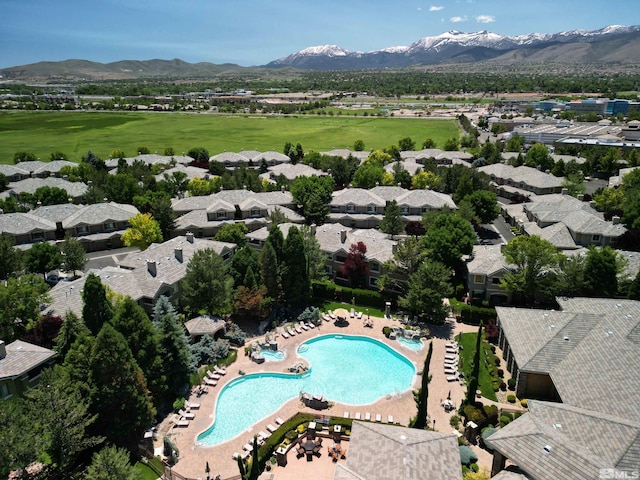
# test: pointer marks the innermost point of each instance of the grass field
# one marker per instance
(74, 133)
(468, 343)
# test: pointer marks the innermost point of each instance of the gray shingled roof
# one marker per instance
(291, 172)
(557, 441)
(388, 193)
(22, 223)
(360, 197)
(23, 357)
(523, 174)
(558, 234)
(151, 159)
(387, 452)
(56, 213)
(30, 185)
(204, 325)
(99, 213)
(486, 260)
(425, 198)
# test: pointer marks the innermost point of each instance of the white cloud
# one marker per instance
(434, 8)
(458, 19)
(485, 18)
(419, 9)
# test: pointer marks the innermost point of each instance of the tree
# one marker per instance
(119, 389)
(574, 183)
(63, 418)
(122, 188)
(41, 258)
(174, 346)
(206, 284)
(634, 288)
(448, 238)
(233, 233)
(422, 180)
(425, 290)
(532, 257)
(314, 255)
(144, 231)
(20, 444)
(250, 301)
(394, 152)
(538, 157)
(199, 154)
(392, 223)
(270, 270)
(356, 267)
(133, 323)
(24, 157)
(109, 463)
(20, 301)
(422, 395)
(243, 259)
(50, 196)
(401, 176)
(162, 212)
(475, 369)
(277, 216)
(406, 144)
(358, 145)
(371, 171)
(428, 143)
(407, 257)
(451, 144)
(58, 155)
(71, 329)
(631, 205)
(485, 205)
(10, 257)
(569, 281)
(296, 285)
(313, 194)
(601, 269)
(74, 257)
(96, 309)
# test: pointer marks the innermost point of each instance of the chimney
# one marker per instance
(343, 235)
(313, 228)
(178, 253)
(152, 268)
(581, 197)
(615, 219)
(565, 191)
(190, 237)
(3, 349)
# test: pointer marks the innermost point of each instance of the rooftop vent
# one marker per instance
(547, 448)
(566, 339)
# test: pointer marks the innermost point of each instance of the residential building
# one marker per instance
(150, 159)
(290, 172)
(509, 180)
(21, 364)
(486, 267)
(379, 451)
(27, 228)
(75, 190)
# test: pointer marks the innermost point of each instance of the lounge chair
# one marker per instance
(332, 315)
(450, 371)
(452, 378)
(219, 371)
(357, 416)
(264, 434)
(191, 405)
(271, 428)
(213, 376)
(279, 421)
(451, 356)
(352, 313)
(248, 447)
(284, 334)
(235, 455)
(346, 414)
(367, 416)
(303, 325)
(450, 361)
(326, 317)
(359, 315)
(210, 382)
(178, 422)
(390, 419)
(378, 417)
(291, 332)
(311, 325)
(187, 415)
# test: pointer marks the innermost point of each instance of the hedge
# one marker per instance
(470, 314)
(326, 289)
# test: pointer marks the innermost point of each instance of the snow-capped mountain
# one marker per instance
(457, 47)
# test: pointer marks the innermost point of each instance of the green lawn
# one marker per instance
(74, 133)
(144, 472)
(326, 305)
(468, 343)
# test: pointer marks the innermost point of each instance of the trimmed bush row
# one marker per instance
(326, 289)
(470, 314)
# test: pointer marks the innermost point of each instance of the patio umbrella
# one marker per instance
(449, 396)
(207, 469)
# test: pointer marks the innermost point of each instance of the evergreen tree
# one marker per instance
(276, 239)
(601, 270)
(119, 390)
(71, 329)
(96, 309)
(206, 285)
(475, 370)
(74, 257)
(110, 463)
(243, 259)
(162, 212)
(634, 288)
(422, 396)
(392, 223)
(133, 323)
(270, 271)
(295, 281)
(314, 255)
(174, 348)
(10, 257)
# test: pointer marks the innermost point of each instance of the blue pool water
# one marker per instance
(345, 369)
(415, 345)
(271, 356)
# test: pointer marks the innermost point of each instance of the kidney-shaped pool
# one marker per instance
(348, 369)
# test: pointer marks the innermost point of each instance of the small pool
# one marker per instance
(347, 369)
(272, 356)
(411, 344)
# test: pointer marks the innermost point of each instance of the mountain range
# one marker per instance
(613, 45)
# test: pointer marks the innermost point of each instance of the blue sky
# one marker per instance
(254, 32)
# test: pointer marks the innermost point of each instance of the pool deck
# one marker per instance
(401, 406)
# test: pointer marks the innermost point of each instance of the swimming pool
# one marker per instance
(272, 356)
(347, 369)
(411, 344)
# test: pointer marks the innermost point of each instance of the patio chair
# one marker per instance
(271, 428)
(213, 376)
(311, 325)
(291, 332)
(284, 334)
(248, 447)
(357, 416)
(178, 422)
(187, 415)
(378, 417)
(264, 434)
(390, 419)
(452, 378)
(210, 382)
(219, 371)
(346, 414)
(303, 325)
(367, 416)
(279, 421)
(191, 405)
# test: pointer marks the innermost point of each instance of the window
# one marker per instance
(341, 258)
(373, 281)
(425, 209)
(255, 212)
(81, 229)
(4, 391)
(37, 235)
(328, 270)
(595, 238)
(495, 281)
(109, 226)
(329, 256)
(375, 267)
(478, 279)
(405, 210)
(222, 214)
(351, 208)
(371, 209)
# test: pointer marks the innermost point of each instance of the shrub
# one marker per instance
(511, 398)
(454, 421)
(472, 315)
(496, 361)
(523, 402)
(500, 372)
(178, 404)
(472, 413)
(503, 387)
(467, 455)
(327, 290)
(504, 420)
(511, 383)
(474, 467)
(386, 331)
